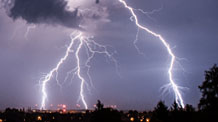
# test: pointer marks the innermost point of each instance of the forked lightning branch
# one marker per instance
(92, 48)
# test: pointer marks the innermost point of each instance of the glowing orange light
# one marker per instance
(1, 120)
(147, 120)
(132, 119)
(39, 118)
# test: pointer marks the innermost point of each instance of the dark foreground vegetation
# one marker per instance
(207, 110)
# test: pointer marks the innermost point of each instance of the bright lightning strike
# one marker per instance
(178, 96)
(48, 77)
(79, 73)
(92, 48)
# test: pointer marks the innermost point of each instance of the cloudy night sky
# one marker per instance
(34, 35)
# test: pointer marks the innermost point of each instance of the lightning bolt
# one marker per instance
(79, 73)
(48, 77)
(178, 96)
(92, 48)
(148, 14)
(28, 30)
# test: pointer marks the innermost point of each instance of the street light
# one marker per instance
(147, 120)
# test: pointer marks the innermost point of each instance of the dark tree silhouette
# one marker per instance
(102, 114)
(209, 90)
(189, 108)
(161, 107)
(160, 112)
(134, 114)
(177, 113)
(99, 105)
(175, 107)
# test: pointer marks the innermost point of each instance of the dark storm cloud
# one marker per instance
(44, 11)
(97, 1)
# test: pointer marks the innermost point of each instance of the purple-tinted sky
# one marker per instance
(189, 26)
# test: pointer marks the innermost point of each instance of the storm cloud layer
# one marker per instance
(43, 11)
